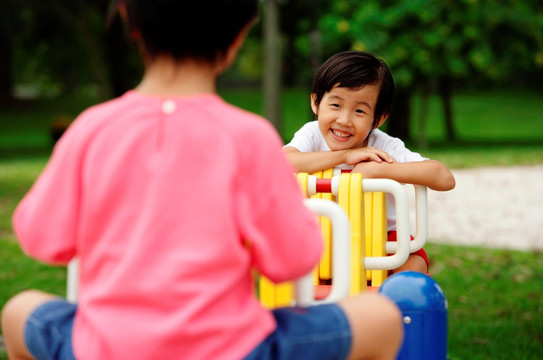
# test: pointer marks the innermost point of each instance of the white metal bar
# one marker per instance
(311, 185)
(402, 224)
(341, 247)
(421, 213)
(421, 216)
(72, 281)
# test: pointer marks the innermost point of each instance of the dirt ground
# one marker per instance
(498, 207)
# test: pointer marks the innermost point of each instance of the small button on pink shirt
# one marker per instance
(169, 203)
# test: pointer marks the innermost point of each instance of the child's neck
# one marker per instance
(165, 77)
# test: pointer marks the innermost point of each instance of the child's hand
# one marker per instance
(358, 155)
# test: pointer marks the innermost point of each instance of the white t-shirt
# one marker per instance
(310, 139)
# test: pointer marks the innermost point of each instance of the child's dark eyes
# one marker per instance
(358, 111)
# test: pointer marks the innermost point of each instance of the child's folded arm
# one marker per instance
(320, 160)
(430, 173)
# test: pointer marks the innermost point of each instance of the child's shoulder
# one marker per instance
(242, 120)
(378, 137)
(110, 106)
(383, 141)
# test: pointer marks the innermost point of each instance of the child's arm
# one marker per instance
(311, 162)
(430, 173)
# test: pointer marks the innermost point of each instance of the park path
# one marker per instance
(499, 207)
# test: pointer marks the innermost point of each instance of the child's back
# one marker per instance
(165, 191)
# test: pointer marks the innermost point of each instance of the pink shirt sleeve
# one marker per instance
(45, 221)
(285, 239)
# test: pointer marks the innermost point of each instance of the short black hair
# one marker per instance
(353, 70)
(202, 29)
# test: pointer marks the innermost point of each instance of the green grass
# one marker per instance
(494, 299)
(19, 272)
(494, 296)
(492, 116)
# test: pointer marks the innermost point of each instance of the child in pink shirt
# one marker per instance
(170, 197)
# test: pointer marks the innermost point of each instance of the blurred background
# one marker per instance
(447, 57)
(468, 74)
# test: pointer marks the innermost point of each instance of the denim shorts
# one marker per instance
(315, 332)
(48, 330)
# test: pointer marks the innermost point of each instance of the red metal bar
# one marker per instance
(324, 185)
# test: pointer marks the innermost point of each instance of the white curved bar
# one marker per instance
(341, 235)
(72, 281)
(421, 213)
(402, 224)
(421, 216)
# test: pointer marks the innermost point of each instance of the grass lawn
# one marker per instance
(494, 296)
(494, 299)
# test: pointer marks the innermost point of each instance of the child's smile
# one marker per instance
(346, 116)
(341, 135)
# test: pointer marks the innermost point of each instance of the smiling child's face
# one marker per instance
(346, 116)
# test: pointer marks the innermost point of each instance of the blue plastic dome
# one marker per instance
(412, 290)
(424, 309)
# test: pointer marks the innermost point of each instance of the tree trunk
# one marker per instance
(400, 118)
(78, 18)
(315, 37)
(6, 53)
(272, 66)
(445, 93)
(422, 141)
(93, 45)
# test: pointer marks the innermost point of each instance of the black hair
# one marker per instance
(202, 29)
(354, 70)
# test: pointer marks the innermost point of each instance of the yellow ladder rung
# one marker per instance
(356, 219)
(275, 295)
(379, 234)
(368, 221)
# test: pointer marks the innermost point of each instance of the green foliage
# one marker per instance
(421, 39)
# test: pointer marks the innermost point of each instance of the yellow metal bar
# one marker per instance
(368, 221)
(267, 293)
(302, 182)
(379, 235)
(356, 219)
(343, 195)
(284, 294)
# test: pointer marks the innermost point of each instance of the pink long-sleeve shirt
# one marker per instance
(169, 203)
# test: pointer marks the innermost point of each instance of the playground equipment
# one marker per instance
(364, 202)
(419, 297)
(354, 227)
(424, 309)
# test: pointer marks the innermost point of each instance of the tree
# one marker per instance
(65, 45)
(6, 81)
(272, 74)
(450, 41)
